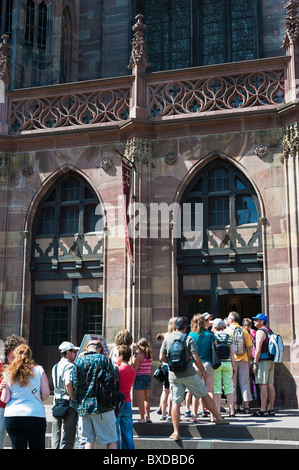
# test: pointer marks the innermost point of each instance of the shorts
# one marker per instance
(208, 368)
(193, 383)
(224, 377)
(142, 382)
(265, 373)
(100, 427)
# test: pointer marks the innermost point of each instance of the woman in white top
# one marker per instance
(26, 386)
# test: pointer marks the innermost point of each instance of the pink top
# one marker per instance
(144, 367)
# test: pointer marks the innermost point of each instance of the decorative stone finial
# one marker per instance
(292, 24)
(138, 54)
(4, 60)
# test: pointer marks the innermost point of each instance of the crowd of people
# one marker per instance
(80, 418)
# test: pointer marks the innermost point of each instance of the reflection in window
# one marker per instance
(36, 24)
(245, 210)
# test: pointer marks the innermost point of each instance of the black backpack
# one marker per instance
(222, 348)
(108, 395)
(177, 357)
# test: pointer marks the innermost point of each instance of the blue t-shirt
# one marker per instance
(203, 343)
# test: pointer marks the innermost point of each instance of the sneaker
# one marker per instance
(163, 418)
(188, 414)
(169, 419)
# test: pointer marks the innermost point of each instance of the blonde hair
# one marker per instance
(171, 325)
(198, 324)
(144, 347)
(20, 370)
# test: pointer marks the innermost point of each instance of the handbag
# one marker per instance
(61, 406)
(216, 363)
(159, 374)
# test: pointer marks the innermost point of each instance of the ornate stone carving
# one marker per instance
(291, 140)
(261, 150)
(106, 163)
(244, 90)
(170, 158)
(138, 54)
(139, 150)
(3, 165)
(4, 60)
(292, 24)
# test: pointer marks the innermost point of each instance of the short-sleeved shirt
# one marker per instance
(64, 371)
(190, 349)
(248, 342)
(23, 402)
(85, 372)
(203, 343)
(126, 379)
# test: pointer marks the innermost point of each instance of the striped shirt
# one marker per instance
(144, 367)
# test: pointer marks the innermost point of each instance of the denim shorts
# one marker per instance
(142, 382)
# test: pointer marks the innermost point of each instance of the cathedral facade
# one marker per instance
(149, 168)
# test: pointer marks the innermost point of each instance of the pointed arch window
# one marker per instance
(6, 7)
(70, 208)
(36, 24)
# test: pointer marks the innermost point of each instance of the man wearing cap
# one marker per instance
(188, 378)
(96, 422)
(64, 430)
(263, 368)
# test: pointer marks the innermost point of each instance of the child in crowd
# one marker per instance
(124, 420)
(142, 363)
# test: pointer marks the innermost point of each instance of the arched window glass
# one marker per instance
(29, 34)
(42, 25)
(70, 208)
(187, 33)
(36, 24)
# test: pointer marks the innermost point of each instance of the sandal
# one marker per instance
(188, 414)
(141, 421)
(271, 413)
(192, 419)
(148, 420)
(260, 414)
(247, 411)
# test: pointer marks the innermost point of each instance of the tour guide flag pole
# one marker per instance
(127, 170)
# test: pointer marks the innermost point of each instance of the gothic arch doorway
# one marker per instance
(224, 271)
(66, 268)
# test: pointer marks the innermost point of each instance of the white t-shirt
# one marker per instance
(23, 402)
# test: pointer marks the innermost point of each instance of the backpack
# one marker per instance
(177, 357)
(239, 341)
(222, 348)
(108, 395)
(275, 347)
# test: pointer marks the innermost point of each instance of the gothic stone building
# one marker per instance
(202, 97)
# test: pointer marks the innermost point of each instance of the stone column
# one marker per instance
(291, 45)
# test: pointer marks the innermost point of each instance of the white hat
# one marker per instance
(66, 346)
(206, 315)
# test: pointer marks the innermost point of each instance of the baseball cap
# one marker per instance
(206, 315)
(260, 316)
(66, 346)
(218, 323)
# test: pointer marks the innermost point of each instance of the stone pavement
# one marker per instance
(243, 432)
